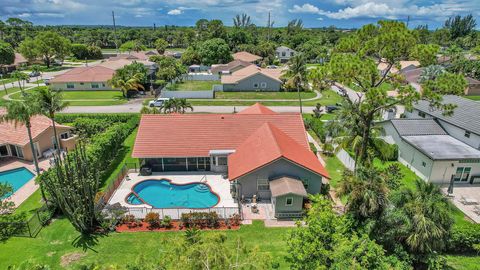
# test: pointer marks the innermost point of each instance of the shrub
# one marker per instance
(12, 224)
(234, 220)
(166, 222)
(128, 219)
(107, 117)
(153, 219)
(200, 220)
(317, 126)
(87, 127)
(464, 238)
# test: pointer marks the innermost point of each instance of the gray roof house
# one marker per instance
(284, 53)
(431, 152)
(253, 78)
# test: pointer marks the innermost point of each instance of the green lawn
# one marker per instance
(263, 95)
(476, 98)
(3, 93)
(192, 85)
(86, 98)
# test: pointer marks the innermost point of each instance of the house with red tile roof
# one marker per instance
(252, 148)
(253, 78)
(14, 141)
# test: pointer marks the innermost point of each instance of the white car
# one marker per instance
(157, 102)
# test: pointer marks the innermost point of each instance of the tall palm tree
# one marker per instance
(50, 102)
(126, 85)
(297, 73)
(242, 21)
(19, 76)
(21, 113)
(366, 191)
(184, 105)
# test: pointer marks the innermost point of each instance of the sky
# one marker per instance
(314, 13)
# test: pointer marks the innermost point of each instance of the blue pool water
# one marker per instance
(16, 178)
(163, 194)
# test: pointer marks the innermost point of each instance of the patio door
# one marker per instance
(462, 174)
(3, 151)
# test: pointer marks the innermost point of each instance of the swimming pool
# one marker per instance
(16, 178)
(164, 194)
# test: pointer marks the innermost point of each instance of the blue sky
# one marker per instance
(314, 13)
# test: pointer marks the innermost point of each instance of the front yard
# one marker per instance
(192, 85)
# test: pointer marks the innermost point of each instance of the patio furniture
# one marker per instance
(255, 208)
(468, 201)
(146, 171)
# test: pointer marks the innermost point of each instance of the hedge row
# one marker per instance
(107, 117)
(464, 239)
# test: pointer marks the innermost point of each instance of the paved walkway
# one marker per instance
(471, 192)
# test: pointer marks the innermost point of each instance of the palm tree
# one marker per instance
(19, 76)
(297, 73)
(21, 113)
(37, 68)
(431, 73)
(126, 85)
(366, 191)
(242, 21)
(184, 105)
(51, 102)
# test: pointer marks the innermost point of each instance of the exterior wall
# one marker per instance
(281, 167)
(472, 89)
(247, 84)
(443, 170)
(287, 51)
(281, 207)
(454, 131)
(80, 86)
(44, 141)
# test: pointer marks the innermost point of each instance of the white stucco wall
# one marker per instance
(81, 86)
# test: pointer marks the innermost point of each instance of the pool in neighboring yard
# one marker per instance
(164, 194)
(16, 178)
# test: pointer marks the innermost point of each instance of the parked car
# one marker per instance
(331, 108)
(46, 81)
(34, 74)
(157, 102)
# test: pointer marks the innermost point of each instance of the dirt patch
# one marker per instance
(51, 253)
(70, 258)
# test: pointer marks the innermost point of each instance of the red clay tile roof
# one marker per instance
(11, 134)
(85, 74)
(257, 108)
(194, 135)
(246, 56)
(267, 144)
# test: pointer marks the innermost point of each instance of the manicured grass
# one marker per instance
(463, 262)
(86, 98)
(31, 204)
(193, 85)
(3, 93)
(476, 98)
(7, 81)
(263, 95)
(409, 175)
(335, 169)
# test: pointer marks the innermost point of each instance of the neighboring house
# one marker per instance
(264, 154)
(253, 78)
(19, 61)
(14, 140)
(142, 55)
(404, 66)
(429, 151)
(463, 124)
(246, 57)
(473, 87)
(83, 78)
(284, 53)
(225, 69)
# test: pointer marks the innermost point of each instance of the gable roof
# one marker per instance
(194, 135)
(17, 134)
(227, 67)
(85, 74)
(249, 71)
(246, 56)
(284, 48)
(268, 144)
(465, 115)
(257, 108)
(408, 127)
(287, 185)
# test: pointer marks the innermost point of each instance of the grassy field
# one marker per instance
(192, 85)
(263, 95)
(476, 98)
(86, 98)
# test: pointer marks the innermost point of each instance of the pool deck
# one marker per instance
(218, 184)
(30, 187)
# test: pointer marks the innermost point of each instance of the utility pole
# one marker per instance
(408, 20)
(154, 27)
(115, 32)
(268, 30)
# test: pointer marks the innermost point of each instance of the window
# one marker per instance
(421, 114)
(221, 161)
(36, 149)
(462, 174)
(262, 184)
(70, 85)
(64, 136)
(103, 85)
(263, 85)
(284, 53)
(54, 142)
(467, 134)
(3, 150)
(305, 182)
(291, 53)
(424, 164)
(95, 85)
(255, 85)
(289, 201)
(81, 83)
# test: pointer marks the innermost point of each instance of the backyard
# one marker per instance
(192, 85)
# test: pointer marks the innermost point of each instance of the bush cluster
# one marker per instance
(464, 238)
(108, 118)
(317, 125)
(200, 220)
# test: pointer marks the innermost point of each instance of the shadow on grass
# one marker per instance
(87, 241)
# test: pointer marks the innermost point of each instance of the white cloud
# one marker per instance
(175, 12)
(305, 8)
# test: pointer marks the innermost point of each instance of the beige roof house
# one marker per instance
(246, 56)
(249, 71)
(142, 55)
(403, 66)
(85, 74)
(230, 67)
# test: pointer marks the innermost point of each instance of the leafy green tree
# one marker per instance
(419, 219)
(28, 49)
(21, 113)
(216, 29)
(169, 68)
(51, 102)
(367, 193)
(459, 26)
(133, 45)
(297, 74)
(314, 50)
(79, 51)
(129, 84)
(319, 78)
(72, 183)
(294, 26)
(130, 70)
(161, 45)
(10, 222)
(6, 206)
(37, 68)
(214, 51)
(444, 84)
(191, 57)
(7, 55)
(51, 44)
(426, 54)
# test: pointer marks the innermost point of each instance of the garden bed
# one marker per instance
(174, 227)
